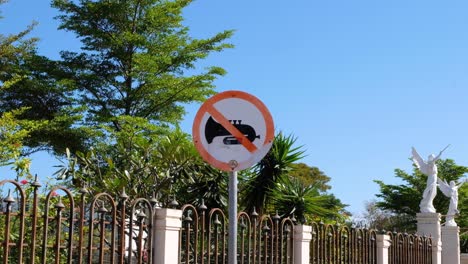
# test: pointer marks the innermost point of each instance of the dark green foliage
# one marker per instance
(137, 60)
(380, 219)
(278, 183)
(114, 105)
(148, 165)
(14, 49)
(39, 91)
(403, 200)
(310, 176)
(290, 196)
(207, 185)
(270, 170)
(17, 56)
(464, 242)
(32, 83)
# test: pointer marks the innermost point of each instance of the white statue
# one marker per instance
(428, 168)
(451, 191)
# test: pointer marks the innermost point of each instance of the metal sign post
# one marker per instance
(232, 238)
(232, 131)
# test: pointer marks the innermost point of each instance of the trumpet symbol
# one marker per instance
(214, 129)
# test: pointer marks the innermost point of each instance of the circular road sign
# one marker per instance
(233, 130)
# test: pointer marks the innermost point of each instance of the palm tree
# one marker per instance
(291, 196)
(265, 174)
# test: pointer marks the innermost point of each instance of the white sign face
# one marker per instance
(233, 127)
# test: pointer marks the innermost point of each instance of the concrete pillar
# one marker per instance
(167, 226)
(450, 245)
(383, 243)
(302, 238)
(429, 225)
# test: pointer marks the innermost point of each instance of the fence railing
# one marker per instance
(409, 249)
(66, 227)
(341, 244)
(260, 239)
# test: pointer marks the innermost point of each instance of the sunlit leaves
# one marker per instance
(403, 199)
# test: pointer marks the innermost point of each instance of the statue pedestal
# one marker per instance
(429, 225)
(450, 244)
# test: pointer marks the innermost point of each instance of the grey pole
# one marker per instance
(232, 242)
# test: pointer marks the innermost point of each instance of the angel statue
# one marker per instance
(428, 168)
(451, 191)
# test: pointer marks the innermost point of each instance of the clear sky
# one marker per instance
(358, 82)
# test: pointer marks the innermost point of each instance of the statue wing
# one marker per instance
(416, 158)
(444, 187)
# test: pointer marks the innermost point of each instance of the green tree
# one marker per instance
(205, 185)
(137, 60)
(403, 200)
(32, 83)
(265, 174)
(279, 183)
(380, 219)
(12, 135)
(310, 176)
(291, 196)
(14, 50)
(39, 92)
(147, 164)
(127, 87)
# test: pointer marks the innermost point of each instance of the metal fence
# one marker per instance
(66, 227)
(409, 249)
(260, 239)
(341, 244)
(63, 226)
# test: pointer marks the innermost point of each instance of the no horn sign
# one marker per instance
(233, 127)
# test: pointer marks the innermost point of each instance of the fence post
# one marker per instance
(429, 225)
(450, 244)
(383, 243)
(168, 223)
(301, 244)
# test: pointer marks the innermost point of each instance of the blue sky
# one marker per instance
(358, 82)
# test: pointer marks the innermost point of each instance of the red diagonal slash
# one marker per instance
(232, 129)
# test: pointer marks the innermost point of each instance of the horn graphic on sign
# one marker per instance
(214, 129)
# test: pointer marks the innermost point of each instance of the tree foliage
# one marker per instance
(12, 135)
(137, 60)
(279, 183)
(275, 165)
(291, 196)
(32, 83)
(381, 219)
(147, 164)
(113, 105)
(310, 176)
(14, 50)
(44, 99)
(403, 200)
(142, 162)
